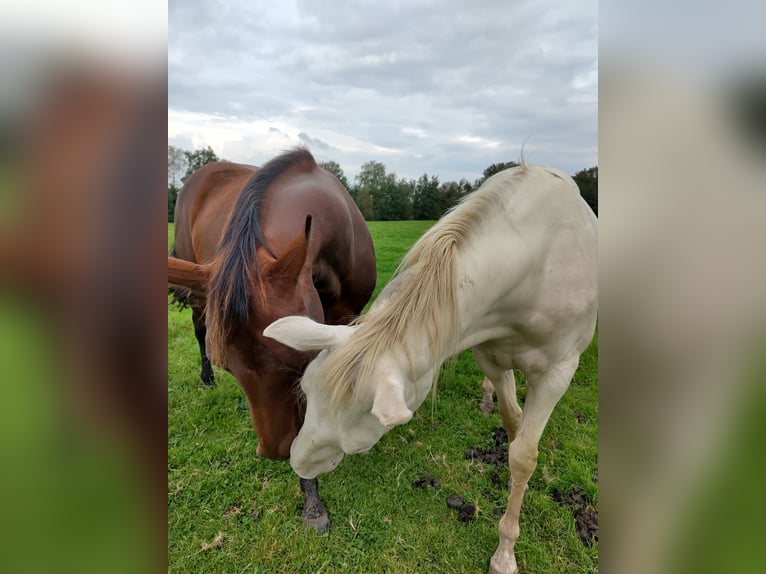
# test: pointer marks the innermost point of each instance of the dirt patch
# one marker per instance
(585, 513)
(496, 455)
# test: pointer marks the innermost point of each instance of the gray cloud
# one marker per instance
(445, 88)
(314, 142)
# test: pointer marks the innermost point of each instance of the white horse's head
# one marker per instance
(329, 430)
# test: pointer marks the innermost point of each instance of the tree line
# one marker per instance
(379, 194)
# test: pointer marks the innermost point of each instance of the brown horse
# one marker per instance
(254, 245)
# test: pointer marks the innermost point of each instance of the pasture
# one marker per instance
(230, 511)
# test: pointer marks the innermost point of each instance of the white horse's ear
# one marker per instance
(304, 334)
(389, 406)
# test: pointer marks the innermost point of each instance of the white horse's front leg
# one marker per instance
(543, 392)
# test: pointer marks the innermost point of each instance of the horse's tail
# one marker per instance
(181, 296)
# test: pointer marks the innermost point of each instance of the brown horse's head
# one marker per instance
(238, 309)
(248, 285)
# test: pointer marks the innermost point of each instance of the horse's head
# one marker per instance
(331, 429)
(285, 287)
(236, 316)
(241, 303)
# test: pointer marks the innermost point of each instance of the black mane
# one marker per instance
(237, 268)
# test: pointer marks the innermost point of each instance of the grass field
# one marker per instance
(380, 523)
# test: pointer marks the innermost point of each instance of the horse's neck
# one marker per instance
(392, 287)
(419, 369)
(492, 282)
(475, 292)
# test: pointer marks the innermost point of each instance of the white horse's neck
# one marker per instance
(481, 291)
(414, 360)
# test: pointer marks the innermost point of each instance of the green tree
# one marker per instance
(426, 199)
(452, 192)
(394, 200)
(372, 181)
(464, 187)
(196, 159)
(587, 181)
(172, 196)
(176, 164)
(365, 204)
(492, 170)
(404, 198)
(366, 183)
(334, 168)
(371, 174)
(176, 167)
(449, 195)
(387, 199)
(391, 199)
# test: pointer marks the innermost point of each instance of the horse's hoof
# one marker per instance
(321, 523)
(487, 406)
(503, 564)
(314, 516)
(210, 383)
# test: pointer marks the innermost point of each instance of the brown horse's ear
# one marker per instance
(190, 275)
(289, 265)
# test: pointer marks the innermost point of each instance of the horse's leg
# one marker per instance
(206, 374)
(500, 379)
(314, 512)
(543, 392)
(487, 404)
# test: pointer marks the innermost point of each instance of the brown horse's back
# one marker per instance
(204, 207)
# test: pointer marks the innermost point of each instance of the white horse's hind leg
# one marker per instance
(503, 382)
(543, 392)
(487, 404)
(510, 411)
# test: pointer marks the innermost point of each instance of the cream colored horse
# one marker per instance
(511, 274)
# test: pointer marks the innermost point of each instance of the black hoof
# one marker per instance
(321, 523)
(208, 378)
(315, 516)
(206, 373)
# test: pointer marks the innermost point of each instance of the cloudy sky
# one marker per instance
(424, 86)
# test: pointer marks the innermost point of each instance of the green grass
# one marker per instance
(380, 523)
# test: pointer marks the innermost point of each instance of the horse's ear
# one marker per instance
(303, 334)
(290, 264)
(192, 276)
(389, 406)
